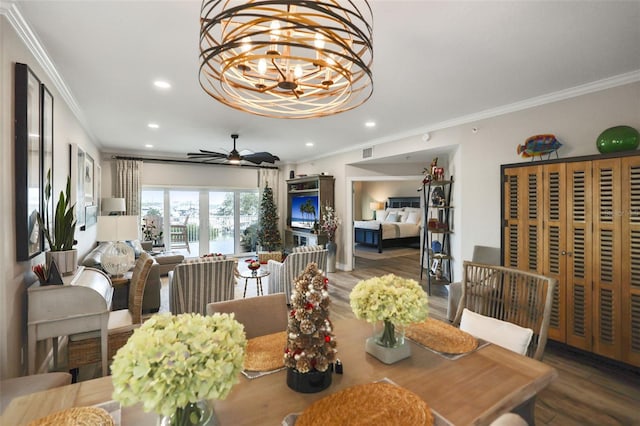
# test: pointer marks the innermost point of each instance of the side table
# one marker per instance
(257, 275)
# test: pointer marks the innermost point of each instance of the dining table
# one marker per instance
(472, 389)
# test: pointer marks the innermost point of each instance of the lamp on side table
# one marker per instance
(119, 256)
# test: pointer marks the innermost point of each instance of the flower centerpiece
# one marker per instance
(395, 302)
(173, 364)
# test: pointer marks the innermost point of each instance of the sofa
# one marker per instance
(161, 265)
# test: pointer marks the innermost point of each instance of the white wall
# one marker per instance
(475, 158)
(16, 276)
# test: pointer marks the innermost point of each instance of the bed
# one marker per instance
(401, 229)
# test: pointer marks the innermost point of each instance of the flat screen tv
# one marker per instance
(305, 211)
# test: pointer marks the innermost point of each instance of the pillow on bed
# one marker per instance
(413, 217)
(381, 215)
(395, 209)
(392, 217)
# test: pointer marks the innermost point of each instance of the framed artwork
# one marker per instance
(88, 179)
(47, 154)
(28, 163)
(91, 215)
(77, 162)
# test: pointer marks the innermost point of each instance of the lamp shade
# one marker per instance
(376, 205)
(110, 205)
(117, 228)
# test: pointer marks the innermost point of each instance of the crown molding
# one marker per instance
(31, 41)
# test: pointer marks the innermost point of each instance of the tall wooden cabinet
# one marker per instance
(578, 220)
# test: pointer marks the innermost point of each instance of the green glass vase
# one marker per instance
(618, 139)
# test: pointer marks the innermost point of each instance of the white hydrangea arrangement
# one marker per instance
(391, 299)
(173, 361)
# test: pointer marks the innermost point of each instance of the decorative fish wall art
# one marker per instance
(539, 145)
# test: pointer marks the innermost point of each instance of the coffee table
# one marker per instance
(257, 275)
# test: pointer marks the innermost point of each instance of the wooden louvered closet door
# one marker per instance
(553, 235)
(631, 260)
(607, 262)
(579, 254)
(523, 222)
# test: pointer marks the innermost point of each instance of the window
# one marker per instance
(217, 221)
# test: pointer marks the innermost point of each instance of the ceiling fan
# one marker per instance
(233, 157)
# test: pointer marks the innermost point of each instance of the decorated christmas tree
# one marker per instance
(310, 343)
(268, 232)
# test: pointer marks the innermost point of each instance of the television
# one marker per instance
(305, 211)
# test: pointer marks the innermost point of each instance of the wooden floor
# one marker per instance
(588, 391)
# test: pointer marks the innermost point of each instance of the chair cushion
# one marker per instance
(501, 333)
(204, 259)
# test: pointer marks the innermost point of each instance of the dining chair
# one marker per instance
(481, 254)
(179, 236)
(260, 315)
(520, 298)
(510, 308)
(84, 348)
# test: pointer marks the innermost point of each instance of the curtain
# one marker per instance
(128, 177)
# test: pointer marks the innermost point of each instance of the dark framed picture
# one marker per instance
(28, 162)
(47, 154)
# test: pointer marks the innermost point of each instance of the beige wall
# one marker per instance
(16, 276)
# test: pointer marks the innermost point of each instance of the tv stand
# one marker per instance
(319, 190)
(300, 237)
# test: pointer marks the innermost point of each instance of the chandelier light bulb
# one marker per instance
(262, 66)
(246, 44)
(319, 41)
(297, 72)
(275, 30)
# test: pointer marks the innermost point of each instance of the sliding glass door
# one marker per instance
(215, 221)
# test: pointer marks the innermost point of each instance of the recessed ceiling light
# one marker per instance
(370, 124)
(309, 144)
(161, 84)
(153, 126)
(148, 145)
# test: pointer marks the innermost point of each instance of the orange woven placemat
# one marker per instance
(441, 337)
(77, 416)
(380, 404)
(265, 353)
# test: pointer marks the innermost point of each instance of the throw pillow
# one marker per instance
(413, 217)
(509, 336)
(381, 215)
(392, 217)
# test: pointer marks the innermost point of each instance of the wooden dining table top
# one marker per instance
(473, 389)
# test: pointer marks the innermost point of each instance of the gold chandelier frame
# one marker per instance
(287, 59)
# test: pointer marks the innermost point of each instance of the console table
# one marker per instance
(81, 304)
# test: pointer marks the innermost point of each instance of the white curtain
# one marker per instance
(128, 177)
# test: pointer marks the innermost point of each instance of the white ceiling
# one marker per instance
(435, 63)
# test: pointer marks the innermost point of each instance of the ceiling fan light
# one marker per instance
(307, 45)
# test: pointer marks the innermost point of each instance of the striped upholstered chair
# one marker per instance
(195, 283)
(282, 274)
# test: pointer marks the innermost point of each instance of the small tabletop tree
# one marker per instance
(310, 342)
(268, 232)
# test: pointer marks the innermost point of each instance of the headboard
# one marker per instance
(397, 202)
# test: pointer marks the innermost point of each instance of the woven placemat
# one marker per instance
(265, 353)
(380, 404)
(77, 416)
(441, 337)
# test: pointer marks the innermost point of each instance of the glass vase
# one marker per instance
(199, 413)
(388, 335)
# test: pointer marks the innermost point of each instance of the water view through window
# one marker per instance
(196, 222)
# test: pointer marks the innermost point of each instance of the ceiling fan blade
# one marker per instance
(206, 155)
(261, 157)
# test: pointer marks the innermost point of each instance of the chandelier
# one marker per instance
(287, 59)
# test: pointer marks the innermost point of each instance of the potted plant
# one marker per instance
(60, 234)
